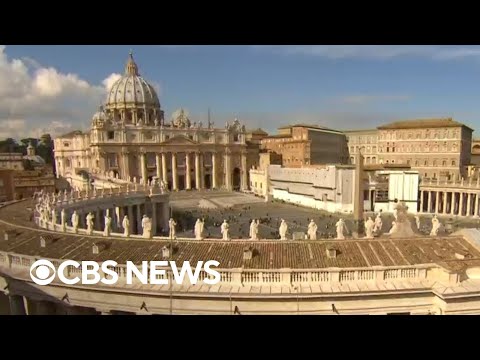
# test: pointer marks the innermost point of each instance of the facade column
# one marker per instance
(174, 172)
(469, 204)
(143, 167)
(198, 184)
(164, 168)
(444, 205)
(125, 164)
(139, 219)
(17, 305)
(188, 180)
(244, 185)
(452, 204)
(131, 218)
(437, 203)
(422, 194)
(429, 201)
(98, 221)
(214, 170)
(202, 171)
(158, 163)
(154, 218)
(228, 170)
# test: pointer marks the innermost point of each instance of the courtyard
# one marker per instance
(239, 209)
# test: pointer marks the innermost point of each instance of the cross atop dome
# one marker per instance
(131, 69)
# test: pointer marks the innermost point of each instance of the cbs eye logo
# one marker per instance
(42, 272)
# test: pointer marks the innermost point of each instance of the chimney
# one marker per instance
(247, 253)
(95, 249)
(43, 242)
(331, 253)
(165, 252)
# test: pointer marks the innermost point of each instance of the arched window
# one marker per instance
(454, 163)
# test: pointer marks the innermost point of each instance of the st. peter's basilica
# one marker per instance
(130, 138)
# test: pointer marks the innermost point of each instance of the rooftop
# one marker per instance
(269, 254)
(309, 126)
(422, 123)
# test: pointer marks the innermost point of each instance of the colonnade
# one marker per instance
(195, 159)
(459, 199)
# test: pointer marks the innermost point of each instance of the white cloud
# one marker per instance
(437, 52)
(110, 80)
(35, 99)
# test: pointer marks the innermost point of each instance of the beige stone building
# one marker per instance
(130, 138)
(437, 148)
(302, 144)
(364, 141)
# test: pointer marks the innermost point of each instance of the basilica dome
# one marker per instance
(131, 88)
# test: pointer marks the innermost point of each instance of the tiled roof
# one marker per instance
(421, 124)
(273, 254)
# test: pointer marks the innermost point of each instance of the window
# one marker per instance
(67, 163)
(453, 163)
(66, 144)
(167, 137)
(408, 162)
(110, 135)
(260, 185)
(416, 163)
(236, 137)
(425, 163)
(444, 163)
(388, 149)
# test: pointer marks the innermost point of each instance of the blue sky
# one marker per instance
(342, 87)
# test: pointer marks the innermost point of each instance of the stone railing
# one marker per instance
(469, 183)
(17, 265)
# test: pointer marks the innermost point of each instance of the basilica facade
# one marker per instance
(130, 139)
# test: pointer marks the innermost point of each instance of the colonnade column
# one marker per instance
(158, 163)
(198, 184)
(437, 202)
(188, 179)
(452, 204)
(429, 201)
(475, 210)
(469, 204)
(460, 205)
(174, 172)
(214, 170)
(164, 168)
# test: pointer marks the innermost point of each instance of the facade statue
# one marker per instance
(340, 225)
(254, 229)
(312, 230)
(107, 224)
(436, 226)
(171, 229)
(199, 225)
(147, 227)
(90, 218)
(126, 226)
(401, 227)
(75, 219)
(378, 224)
(224, 229)
(283, 230)
(369, 226)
